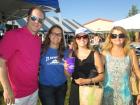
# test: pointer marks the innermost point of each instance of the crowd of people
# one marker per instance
(30, 69)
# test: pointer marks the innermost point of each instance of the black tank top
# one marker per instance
(84, 68)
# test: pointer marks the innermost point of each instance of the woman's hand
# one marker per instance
(138, 100)
(9, 96)
(65, 65)
(82, 81)
(66, 69)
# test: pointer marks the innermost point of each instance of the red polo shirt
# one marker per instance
(21, 49)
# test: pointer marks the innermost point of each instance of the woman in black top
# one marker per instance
(86, 61)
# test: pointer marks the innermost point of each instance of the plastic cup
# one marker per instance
(71, 62)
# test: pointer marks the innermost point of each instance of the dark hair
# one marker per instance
(33, 8)
(46, 43)
(70, 40)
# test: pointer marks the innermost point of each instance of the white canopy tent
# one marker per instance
(131, 23)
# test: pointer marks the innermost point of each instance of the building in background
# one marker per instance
(99, 25)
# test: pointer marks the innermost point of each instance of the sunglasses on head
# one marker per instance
(83, 36)
(34, 18)
(113, 36)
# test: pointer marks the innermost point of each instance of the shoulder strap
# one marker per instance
(94, 62)
(131, 61)
(131, 58)
(92, 53)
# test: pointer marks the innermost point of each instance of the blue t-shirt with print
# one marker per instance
(51, 70)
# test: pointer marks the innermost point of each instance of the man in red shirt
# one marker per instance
(19, 60)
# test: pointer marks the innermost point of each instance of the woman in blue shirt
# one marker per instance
(52, 80)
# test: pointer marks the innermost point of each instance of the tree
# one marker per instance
(133, 11)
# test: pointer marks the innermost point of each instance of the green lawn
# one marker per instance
(66, 100)
(1, 96)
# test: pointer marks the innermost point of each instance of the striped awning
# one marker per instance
(69, 25)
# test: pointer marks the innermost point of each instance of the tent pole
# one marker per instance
(60, 23)
(13, 23)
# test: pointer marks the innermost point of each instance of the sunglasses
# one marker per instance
(114, 36)
(56, 34)
(79, 37)
(34, 18)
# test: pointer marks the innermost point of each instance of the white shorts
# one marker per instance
(28, 100)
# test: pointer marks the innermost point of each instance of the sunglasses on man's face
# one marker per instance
(34, 18)
(83, 36)
(114, 36)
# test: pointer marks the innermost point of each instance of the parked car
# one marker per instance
(136, 46)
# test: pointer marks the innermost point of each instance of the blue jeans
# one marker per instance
(50, 95)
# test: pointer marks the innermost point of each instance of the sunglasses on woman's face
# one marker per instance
(114, 36)
(83, 36)
(56, 34)
(34, 18)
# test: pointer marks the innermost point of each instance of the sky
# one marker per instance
(84, 11)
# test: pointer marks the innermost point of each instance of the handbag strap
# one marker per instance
(94, 63)
(132, 67)
(99, 83)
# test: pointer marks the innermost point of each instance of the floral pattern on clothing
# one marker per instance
(116, 83)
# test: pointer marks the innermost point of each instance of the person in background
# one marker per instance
(86, 61)
(19, 61)
(135, 43)
(137, 37)
(70, 45)
(52, 80)
(96, 42)
(119, 59)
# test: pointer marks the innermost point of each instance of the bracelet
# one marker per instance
(101, 73)
(90, 80)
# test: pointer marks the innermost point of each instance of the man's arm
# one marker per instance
(8, 92)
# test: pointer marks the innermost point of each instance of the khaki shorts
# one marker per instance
(28, 100)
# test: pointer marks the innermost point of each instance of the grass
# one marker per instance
(1, 96)
(68, 92)
(66, 99)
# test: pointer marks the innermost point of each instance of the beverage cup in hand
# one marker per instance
(71, 62)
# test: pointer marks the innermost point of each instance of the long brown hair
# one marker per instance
(47, 42)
